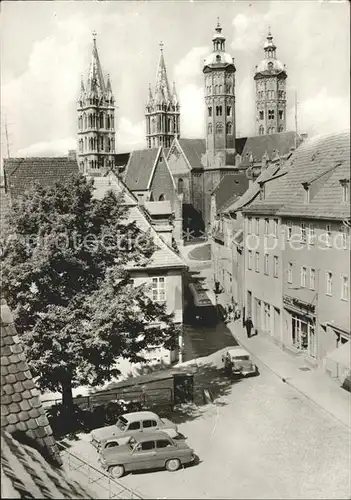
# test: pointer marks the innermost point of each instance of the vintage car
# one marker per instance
(238, 362)
(148, 450)
(131, 424)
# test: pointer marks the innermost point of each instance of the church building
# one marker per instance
(270, 78)
(96, 120)
(162, 110)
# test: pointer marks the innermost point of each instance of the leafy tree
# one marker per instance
(64, 274)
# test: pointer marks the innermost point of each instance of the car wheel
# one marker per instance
(116, 470)
(173, 464)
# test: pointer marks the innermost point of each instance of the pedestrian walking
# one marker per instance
(249, 326)
(230, 313)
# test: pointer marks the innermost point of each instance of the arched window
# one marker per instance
(261, 115)
(180, 186)
(218, 58)
(220, 89)
(229, 128)
(161, 197)
(261, 130)
(101, 120)
(108, 122)
(270, 65)
(216, 89)
(210, 111)
(85, 121)
(210, 128)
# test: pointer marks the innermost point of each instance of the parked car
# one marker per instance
(131, 424)
(237, 361)
(148, 450)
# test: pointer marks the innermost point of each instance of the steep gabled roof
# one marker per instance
(193, 150)
(253, 190)
(231, 187)
(140, 168)
(22, 173)
(21, 409)
(323, 159)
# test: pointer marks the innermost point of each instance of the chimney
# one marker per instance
(72, 155)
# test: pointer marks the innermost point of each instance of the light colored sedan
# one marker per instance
(132, 424)
(148, 450)
(237, 361)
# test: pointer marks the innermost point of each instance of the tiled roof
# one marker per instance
(253, 190)
(231, 187)
(4, 208)
(193, 150)
(111, 182)
(258, 145)
(323, 161)
(21, 173)
(25, 474)
(21, 409)
(164, 256)
(139, 169)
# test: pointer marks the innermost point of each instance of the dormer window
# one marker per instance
(218, 58)
(262, 191)
(345, 185)
(306, 187)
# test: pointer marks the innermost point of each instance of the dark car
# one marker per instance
(150, 450)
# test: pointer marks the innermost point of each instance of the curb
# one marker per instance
(291, 384)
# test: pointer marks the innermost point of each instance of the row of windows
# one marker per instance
(168, 125)
(94, 120)
(271, 94)
(311, 284)
(219, 110)
(218, 89)
(270, 130)
(270, 226)
(305, 234)
(96, 144)
(95, 164)
(220, 128)
(308, 234)
(153, 142)
(265, 263)
(271, 114)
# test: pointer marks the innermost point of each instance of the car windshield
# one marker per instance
(122, 423)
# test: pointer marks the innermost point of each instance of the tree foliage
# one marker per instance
(64, 274)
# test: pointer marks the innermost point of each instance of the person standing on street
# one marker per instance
(249, 326)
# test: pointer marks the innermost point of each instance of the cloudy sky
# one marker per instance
(46, 46)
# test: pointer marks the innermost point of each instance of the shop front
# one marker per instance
(300, 321)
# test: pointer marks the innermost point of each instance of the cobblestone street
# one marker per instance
(261, 440)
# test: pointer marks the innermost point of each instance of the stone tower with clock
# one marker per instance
(219, 76)
(270, 78)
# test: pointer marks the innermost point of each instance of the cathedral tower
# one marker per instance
(96, 120)
(162, 110)
(219, 73)
(270, 77)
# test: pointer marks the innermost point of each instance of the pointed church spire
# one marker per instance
(96, 82)
(174, 95)
(162, 90)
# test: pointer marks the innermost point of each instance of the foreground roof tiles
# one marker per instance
(21, 409)
(25, 474)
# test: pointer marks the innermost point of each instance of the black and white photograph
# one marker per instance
(175, 249)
